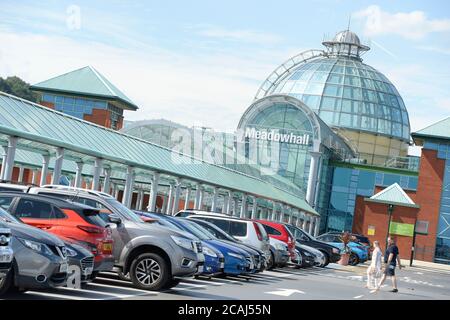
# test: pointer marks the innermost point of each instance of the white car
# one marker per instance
(248, 231)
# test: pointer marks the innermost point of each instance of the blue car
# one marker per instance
(236, 260)
(358, 252)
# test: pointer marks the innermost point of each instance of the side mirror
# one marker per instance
(113, 218)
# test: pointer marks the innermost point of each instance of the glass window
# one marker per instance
(5, 202)
(222, 224)
(37, 210)
(271, 231)
(333, 90)
(238, 229)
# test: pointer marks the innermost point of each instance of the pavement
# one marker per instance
(331, 283)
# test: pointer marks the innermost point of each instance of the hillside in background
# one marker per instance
(18, 87)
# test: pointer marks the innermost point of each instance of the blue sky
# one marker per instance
(201, 62)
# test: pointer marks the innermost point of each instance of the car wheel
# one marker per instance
(270, 263)
(149, 271)
(353, 260)
(327, 260)
(6, 282)
(172, 283)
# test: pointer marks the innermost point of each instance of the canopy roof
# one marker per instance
(41, 130)
(439, 130)
(395, 195)
(85, 82)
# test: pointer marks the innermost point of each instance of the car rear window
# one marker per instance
(220, 223)
(5, 202)
(264, 234)
(27, 208)
(92, 216)
(272, 231)
(238, 229)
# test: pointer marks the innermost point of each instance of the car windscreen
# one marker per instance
(124, 211)
(216, 231)
(191, 228)
(5, 216)
(264, 234)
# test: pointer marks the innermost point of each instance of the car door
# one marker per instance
(38, 214)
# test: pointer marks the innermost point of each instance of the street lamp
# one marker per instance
(390, 210)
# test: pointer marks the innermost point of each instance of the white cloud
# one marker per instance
(435, 49)
(210, 90)
(241, 35)
(411, 25)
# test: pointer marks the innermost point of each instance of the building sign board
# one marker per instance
(402, 229)
(274, 135)
(371, 231)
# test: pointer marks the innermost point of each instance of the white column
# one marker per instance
(312, 177)
(197, 196)
(244, 206)
(305, 220)
(254, 207)
(10, 155)
(169, 199)
(289, 215)
(107, 182)
(44, 170)
(96, 174)
(214, 199)
(116, 191)
(316, 229)
(5, 153)
(225, 203)
(128, 188)
(200, 201)
(176, 200)
(274, 212)
(59, 158)
(140, 202)
(34, 177)
(311, 221)
(229, 202)
(78, 174)
(187, 197)
(153, 193)
(21, 173)
(235, 207)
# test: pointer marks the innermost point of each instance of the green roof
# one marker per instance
(395, 195)
(41, 129)
(440, 129)
(85, 82)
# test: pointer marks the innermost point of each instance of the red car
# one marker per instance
(65, 219)
(279, 231)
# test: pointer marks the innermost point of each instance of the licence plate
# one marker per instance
(107, 247)
(88, 271)
(63, 268)
(200, 269)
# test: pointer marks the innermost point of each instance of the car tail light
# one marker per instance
(258, 232)
(88, 229)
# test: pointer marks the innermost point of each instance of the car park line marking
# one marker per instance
(56, 295)
(210, 282)
(118, 281)
(191, 285)
(122, 288)
(285, 292)
(358, 297)
(109, 294)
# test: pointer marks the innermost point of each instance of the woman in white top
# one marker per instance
(374, 270)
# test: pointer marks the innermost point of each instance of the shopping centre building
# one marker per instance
(324, 145)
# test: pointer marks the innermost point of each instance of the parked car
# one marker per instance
(279, 254)
(214, 259)
(297, 260)
(360, 239)
(311, 256)
(6, 255)
(237, 261)
(332, 254)
(13, 187)
(280, 232)
(154, 256)
(358, 252)
(40, 258)
(248, 231)
(222, 235)
(78, 222)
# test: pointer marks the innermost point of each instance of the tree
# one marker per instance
(17, 87)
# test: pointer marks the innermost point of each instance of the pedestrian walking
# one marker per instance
(391, 258)
(374, 270)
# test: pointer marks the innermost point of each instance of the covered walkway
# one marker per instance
(52, 144)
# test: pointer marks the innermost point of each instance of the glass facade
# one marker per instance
(347, 183)
(347, 93)
(442, 253)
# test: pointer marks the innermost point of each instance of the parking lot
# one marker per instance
(332, 282)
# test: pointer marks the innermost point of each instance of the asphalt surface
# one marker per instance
(330, 283)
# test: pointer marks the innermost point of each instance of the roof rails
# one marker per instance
(68, 188)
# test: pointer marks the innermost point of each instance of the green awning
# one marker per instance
(395, 195)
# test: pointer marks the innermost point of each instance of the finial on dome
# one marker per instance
(346, 43)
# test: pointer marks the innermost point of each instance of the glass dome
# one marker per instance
(349, 94)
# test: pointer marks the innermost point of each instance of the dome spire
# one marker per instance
(346, 43)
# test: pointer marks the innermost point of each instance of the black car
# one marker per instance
(81, 259)
(331, 253)
(308, 258)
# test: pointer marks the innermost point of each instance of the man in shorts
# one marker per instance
(391, 258)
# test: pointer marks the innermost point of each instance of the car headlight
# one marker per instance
(336, 250)
(70, 252)
(280, 246)
(36, 246)
(235, 255)
(209, 252)
(183, 242)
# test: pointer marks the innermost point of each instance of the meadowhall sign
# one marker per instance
(402, 229)
(274, 135)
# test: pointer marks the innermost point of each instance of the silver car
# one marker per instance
(40, 259)
(6, 256)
